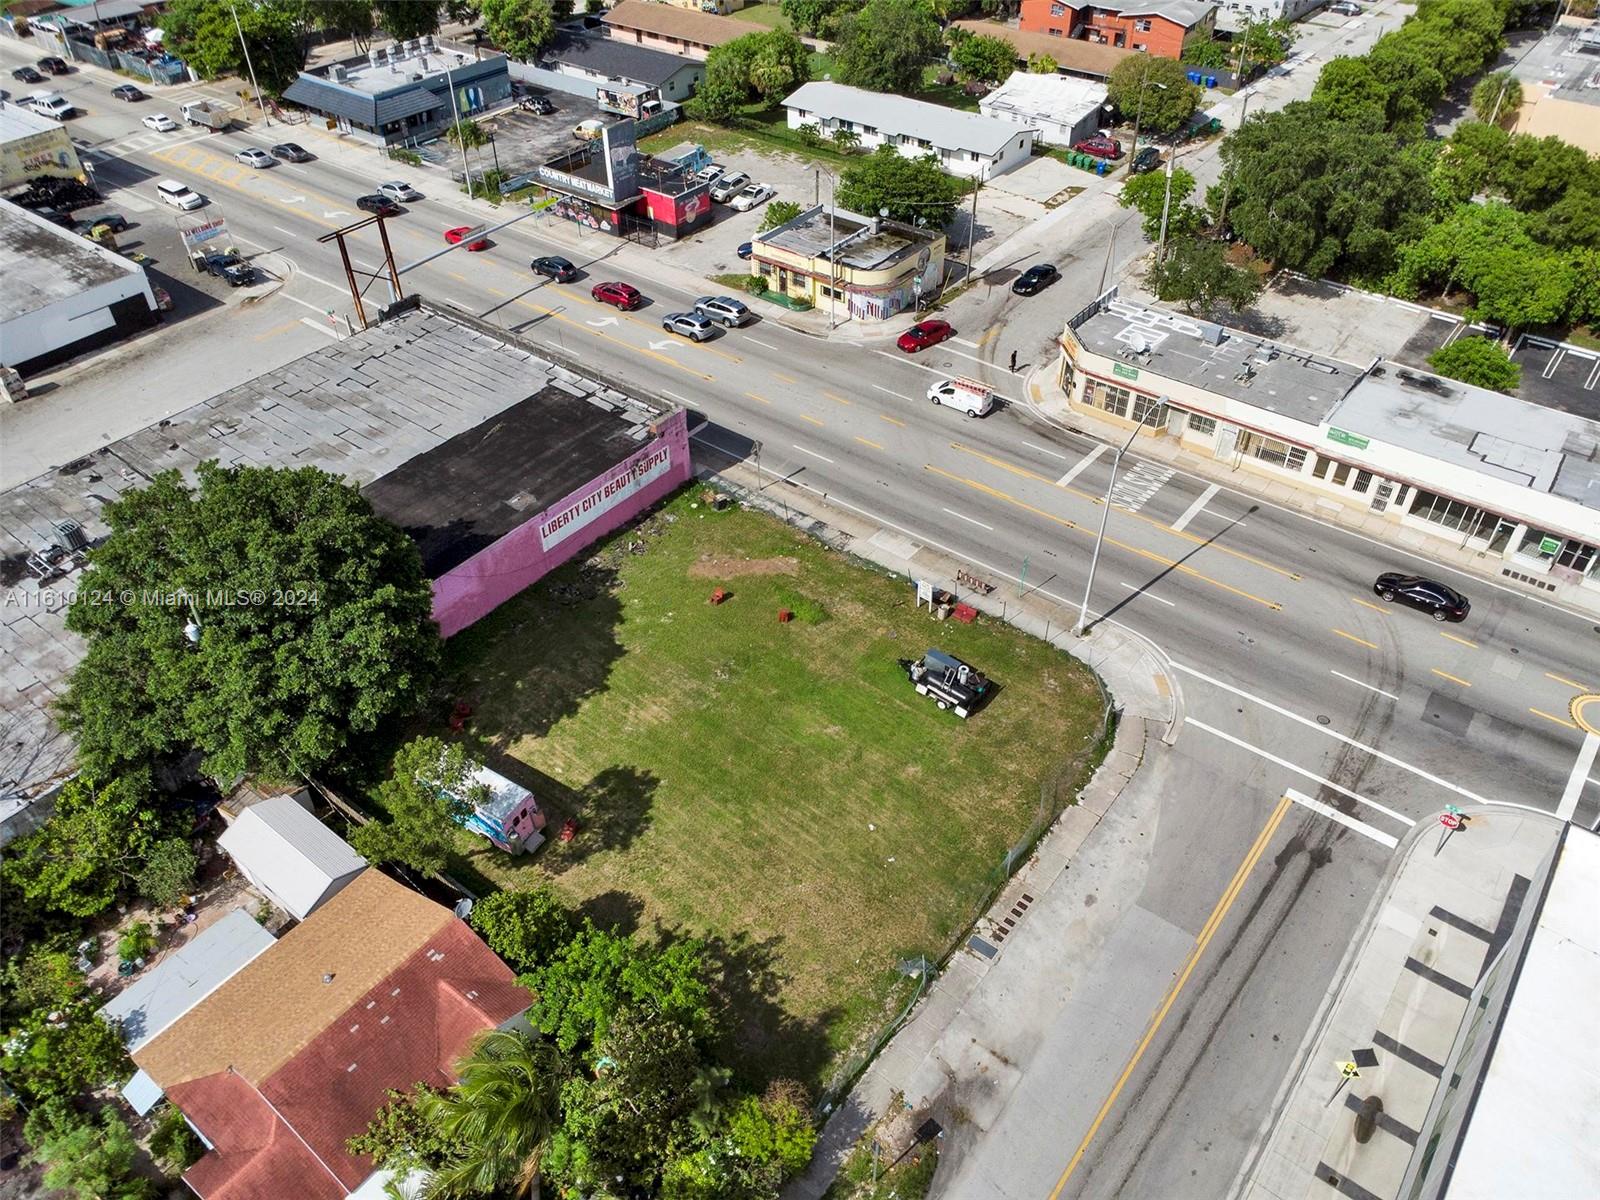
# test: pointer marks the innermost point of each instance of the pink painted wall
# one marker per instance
(542, 543)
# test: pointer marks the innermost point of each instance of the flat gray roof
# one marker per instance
(853, 236)
(945, 128)
(43, 264)
(359, 408)
(1241, 366)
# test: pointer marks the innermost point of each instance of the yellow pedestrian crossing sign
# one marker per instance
(1349, 1070)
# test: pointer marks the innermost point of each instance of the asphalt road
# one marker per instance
(1187, 1010)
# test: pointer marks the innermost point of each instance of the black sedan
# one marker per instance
(128, 93)
(555, 267)
(1434, 598)
(380, 206)
(292, 152)
(1035, 279)
(27, 75)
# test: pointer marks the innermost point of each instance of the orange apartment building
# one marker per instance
(1159, 27)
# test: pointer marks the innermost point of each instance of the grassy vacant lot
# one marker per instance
(778, 788)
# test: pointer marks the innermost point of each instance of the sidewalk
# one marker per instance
(1402, 994)
(990, 988)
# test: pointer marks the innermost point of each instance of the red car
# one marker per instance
(924, 334)
(1100, 147)
(453, 236)
(624, 296)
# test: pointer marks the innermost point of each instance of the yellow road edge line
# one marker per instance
(1450, 677)
(1454, 638)
(813, 420)
(1539, 712)
(1170, 563)
(1093, 499)
(1377, 608)
(831, 396)
(1564, 680)
(1354, 638)
(1213, 923)
(892, 420)
(866, 442)
(762, 399)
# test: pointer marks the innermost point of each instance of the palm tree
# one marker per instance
(501, 1113)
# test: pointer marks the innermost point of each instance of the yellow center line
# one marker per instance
(813, 420)
(892, 420)
(1170, 563)
(1213, 923)
(1562, 679)
(1450, 677)
(1354, 638)
(1461, 640)
(784, 378)
(1377, 608)
(1093, 499)
(1539, 712)
(840, 399)
(867, 442)
(762, 399)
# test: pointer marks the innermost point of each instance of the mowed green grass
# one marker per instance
(781, 782)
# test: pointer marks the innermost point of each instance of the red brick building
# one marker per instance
(1159, 27)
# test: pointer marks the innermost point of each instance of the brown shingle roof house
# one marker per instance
(379, 988)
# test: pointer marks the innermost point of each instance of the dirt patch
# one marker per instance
(727, 568)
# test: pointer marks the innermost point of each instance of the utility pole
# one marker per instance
(245, 46)
(1083, 613)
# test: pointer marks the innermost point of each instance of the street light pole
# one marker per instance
(245, 46)
(1082, 626)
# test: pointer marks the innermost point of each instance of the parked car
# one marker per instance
(924, 334)
(1100, 147)
(746, 249)
(690, 325)
(179, 195)
(1148, 159)
(255, 156)
(454, 236)
(230, 268)
(27, 75)
(553, 266)
(53, 65)
(966, 395)
(378, 206)
(622, 295)
(1438, 601)
(728, 186)
(128, 93)
(756, 193)
(116, 222)
(160, 122)
(399, 192)
(1035, 279)
(292, 152)
(724, 310)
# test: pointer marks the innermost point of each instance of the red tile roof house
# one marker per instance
(1159, 27)
(378, 989)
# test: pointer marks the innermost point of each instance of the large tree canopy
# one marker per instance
(314, 623)
(886, 45)
(912, 189)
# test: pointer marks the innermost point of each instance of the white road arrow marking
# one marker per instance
(603, 322)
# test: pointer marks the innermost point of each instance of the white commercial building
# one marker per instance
(964, 143)
(1416, 454)
(63, 294)
(1060, 109)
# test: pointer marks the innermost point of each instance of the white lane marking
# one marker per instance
(1368, 686)
(1289, 766)
(1148, 596)
(813, 453)
(1333, 814)
(759, 342)
(964, 517)
(1580, 772)
(1082, 464)
(896, 395)
(672, 396)
(1349, 741)
(1051, 453)
(1193, 510)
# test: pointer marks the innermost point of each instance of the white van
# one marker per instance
(965, 395)
(179, 195)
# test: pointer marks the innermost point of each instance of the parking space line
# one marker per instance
(1363, 641)
(1368, 686)
(1333, 814)
(1193, 510)
(1454, 638)
(1450, 677)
